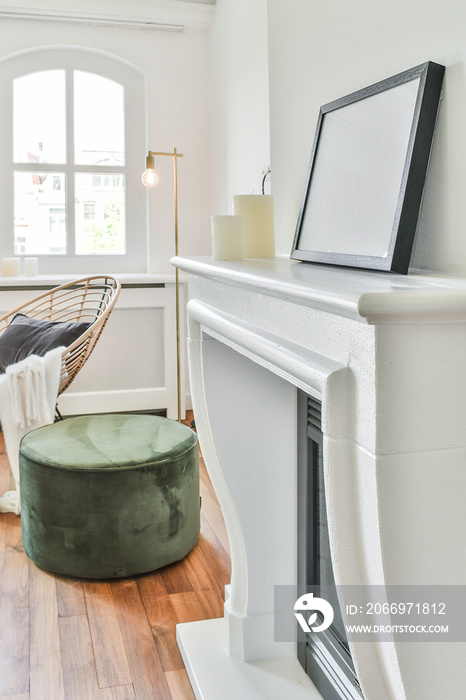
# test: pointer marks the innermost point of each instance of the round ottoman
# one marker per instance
(109, 495)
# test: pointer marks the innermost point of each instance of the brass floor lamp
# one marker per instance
(150, 178)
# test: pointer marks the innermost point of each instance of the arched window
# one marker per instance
(73, 135)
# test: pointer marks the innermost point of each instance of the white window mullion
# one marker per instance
(6, 172)
(70, 169)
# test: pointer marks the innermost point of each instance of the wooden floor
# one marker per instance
(70, 639)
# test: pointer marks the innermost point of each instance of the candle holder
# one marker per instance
(227, 237)
(256, 211)
(31, 267)
(11, 267)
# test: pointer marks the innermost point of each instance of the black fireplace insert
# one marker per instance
(325, 656)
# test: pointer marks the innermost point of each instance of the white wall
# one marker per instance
(176, 66)
(241, 138)
(177, 71)
(320, 51)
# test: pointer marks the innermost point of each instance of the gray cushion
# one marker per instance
(32, 336)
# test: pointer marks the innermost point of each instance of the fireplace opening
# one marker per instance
(325, 656)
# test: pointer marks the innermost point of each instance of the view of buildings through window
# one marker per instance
(69, 164)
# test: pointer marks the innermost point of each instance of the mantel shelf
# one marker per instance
(364, 295)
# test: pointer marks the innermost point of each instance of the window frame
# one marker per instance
(133, 81)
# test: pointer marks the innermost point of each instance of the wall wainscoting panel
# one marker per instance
(133, 366)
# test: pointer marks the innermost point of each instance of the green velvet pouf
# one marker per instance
(109, 495)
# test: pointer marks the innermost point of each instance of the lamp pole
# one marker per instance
(150, 178)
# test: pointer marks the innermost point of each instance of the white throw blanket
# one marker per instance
(28, 395)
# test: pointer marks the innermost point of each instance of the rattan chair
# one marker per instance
(90, 299)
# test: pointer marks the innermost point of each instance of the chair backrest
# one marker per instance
(90, 299)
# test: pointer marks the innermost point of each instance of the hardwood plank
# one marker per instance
(79, 673)
(210, 507)
(179, 685)
(22, 696)
(203, 570)
(122, 692)
(15, 577)
(109, 649)
(187, 607)
(14, 649)
(196, 569)
(175, 578)
(46, 679)
(214, 553)
(212, 603)
(146, 668)
(152, 584)
(70, 596)
(14, 610)
(162, 619)
(3, 520)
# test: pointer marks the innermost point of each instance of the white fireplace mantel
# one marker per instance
(385, 356)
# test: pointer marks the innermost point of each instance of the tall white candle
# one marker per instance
(10, 267)
(227, 237)
(258, 225)
(31, 267)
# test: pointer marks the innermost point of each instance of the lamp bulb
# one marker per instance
(150, 178)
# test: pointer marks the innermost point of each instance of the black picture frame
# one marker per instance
(367, 172)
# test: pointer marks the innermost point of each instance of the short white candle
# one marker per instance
(10, 267)
(31, 267)
(258, 225)
(227, 237)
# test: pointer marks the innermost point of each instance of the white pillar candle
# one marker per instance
(227, 237)
(258, 226)
(31, 267)
(10, 267)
